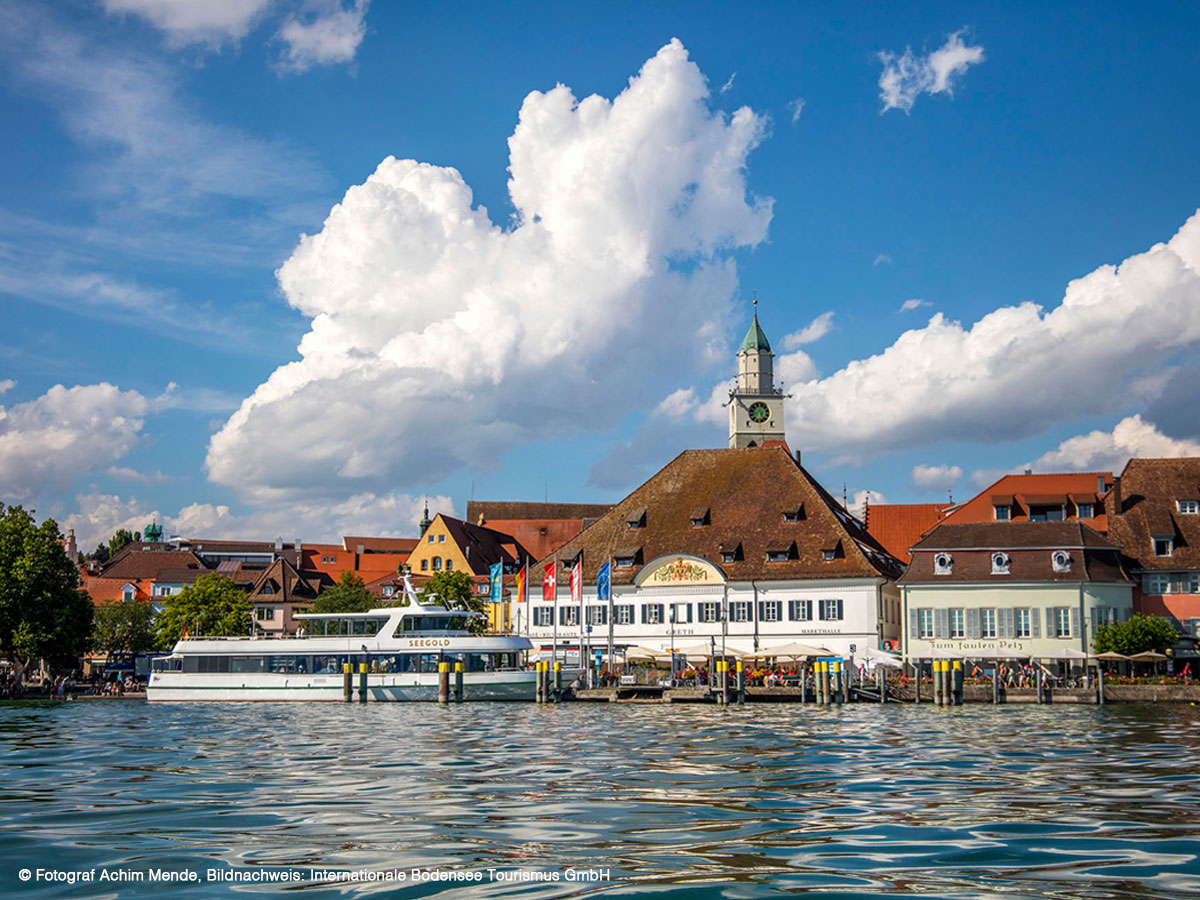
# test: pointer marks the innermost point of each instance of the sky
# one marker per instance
(297, 267)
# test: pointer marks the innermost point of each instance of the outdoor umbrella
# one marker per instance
(1148, 656)
(999, 653)
(703, 651)
(1110, 656)
(872, 653)
(649, 653)
(1065, 653)
(793, 650)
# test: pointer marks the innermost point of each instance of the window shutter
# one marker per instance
(941, 623)
(1126, 613)
(1035, 623)
(974, 627)
(821, 610)
(1050, 629)
(840, 613)
(1074, 621)
(914, 626)
(1093, 621)
(1008, 620)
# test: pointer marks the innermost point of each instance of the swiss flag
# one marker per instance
(549, 582)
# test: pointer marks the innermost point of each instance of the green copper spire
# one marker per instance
(755, 340)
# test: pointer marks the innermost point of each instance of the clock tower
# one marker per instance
(755, 405)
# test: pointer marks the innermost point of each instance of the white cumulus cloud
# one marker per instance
(1110, 450)
(914, 303)
(860, 499)
(211, 22)
(906, 76)
(1019, 370)
(49, 442)
(439, 339)
(325, 33)
(935, 478)
(813, 331)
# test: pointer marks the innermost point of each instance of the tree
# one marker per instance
(456, 590)
(101, 554)
(212, 607)
(1139, 634)
(44, 612)
(347, 596)
(126, 625)
(120, 539)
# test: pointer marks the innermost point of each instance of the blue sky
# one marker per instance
(162, 162)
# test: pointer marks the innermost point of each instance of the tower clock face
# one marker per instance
(759, 412)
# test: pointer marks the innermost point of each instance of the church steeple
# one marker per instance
(756, 405)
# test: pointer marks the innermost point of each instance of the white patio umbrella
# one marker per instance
(1064, 653)
(998, 653)
(703, 651)
(647, 653)
(792, 650)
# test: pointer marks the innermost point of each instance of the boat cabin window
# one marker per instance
(167, 664)
(334, 663)
(432, 623)
(336, 627)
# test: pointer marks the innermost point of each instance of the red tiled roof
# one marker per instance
(540, 537)
(1051, 487)
(897, 526)
(379, 544)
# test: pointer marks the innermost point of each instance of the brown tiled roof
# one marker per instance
(1052, 487)
(746, 492)
(517, 509)
(379, 544)
(539, 537)
(287, 585)
(179, 576)
(1149, 491)
(133, 564)
(1029, 545)
(486, 546)
(897, 526)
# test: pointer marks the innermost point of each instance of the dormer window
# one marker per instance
(699, 517)
(1060, 561)
(388, 590)
(1002, 512)
(1188, 507)
(794, 515)
(943, 563)
(1085, 511)
(781, 553)
(627, 557)
(731, 553)
(636, 519)
(830, 552)
(1164, 546)
(1001, 563)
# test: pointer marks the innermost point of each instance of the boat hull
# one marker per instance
(193, 687)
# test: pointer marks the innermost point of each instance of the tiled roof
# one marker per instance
(379, 544)
(482, 546)
(746, 492)
(897, 526)
(1048, 488)
(1149, 490)
(133, 564)
(509, 510)
(1030, 546)
(282, 583)
(540, 537)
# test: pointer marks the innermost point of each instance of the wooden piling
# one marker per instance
(443, 683)
(1099, 686)
(458, 682)
(362, 682)
(995, 681)
(957, 681)
(347, 683)
(557, 681)
(741, 683)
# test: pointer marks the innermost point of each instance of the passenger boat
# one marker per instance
(401, 647)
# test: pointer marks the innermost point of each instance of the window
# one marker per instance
(987, 623)
(830, 610)
(739, 611)
(652, 613)
(957, 623)
(800, 610)
(1104, 615)
(794, 515)
(1001, 563)
(699, 518)
(1085, 511)
(485, 589)
(449, 565)
(710, 612)
(437, 564)
(770, 610)
(924, 623)
(431, 539)
(264, 614)
(1156, 583)
(441, 539)
(1188, 507)
(424, 565)
(543, 616)
(943, 564)
(681, 612)
(1002, 512)
(624, 562)
(127, 592)
(1062, 621)
(728, 556)
(568, 615)
(389, 590)
(623, 614)
(1046, 512)
(1164, 546)
(1023, 621)
(777, 556)
(829, 554)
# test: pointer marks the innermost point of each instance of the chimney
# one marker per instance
(1099, 484)
(360, 550)
(1114, 499)
(797, 457)
(298, 546)
(279, 544)
(1028, 471)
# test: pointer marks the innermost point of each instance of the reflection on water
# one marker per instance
(866, 801)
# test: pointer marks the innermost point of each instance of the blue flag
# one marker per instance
(603, 584)
(497, 574)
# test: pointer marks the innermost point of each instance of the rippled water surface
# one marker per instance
(865, 801)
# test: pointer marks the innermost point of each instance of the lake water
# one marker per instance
(691, 802)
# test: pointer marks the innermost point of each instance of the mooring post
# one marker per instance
(995, 681)
(838, 685)
(1041, 687)
(362, 682)
(741, 683)
(458, 682)
(540, 681)
(557, 681)
(347, 682)
(443, 683)
(1099, 686)
(881, 683)
(959, 682)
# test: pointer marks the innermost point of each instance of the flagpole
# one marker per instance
(554, 650)
(582, 634)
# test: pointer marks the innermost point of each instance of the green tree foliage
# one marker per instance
(44, 612)
(347, 596)
(100, 554)
(212, 607)
(1139, 634)
(120, 539)
(456, 590)
(125, 625)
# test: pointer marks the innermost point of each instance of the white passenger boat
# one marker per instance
(400, 646)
